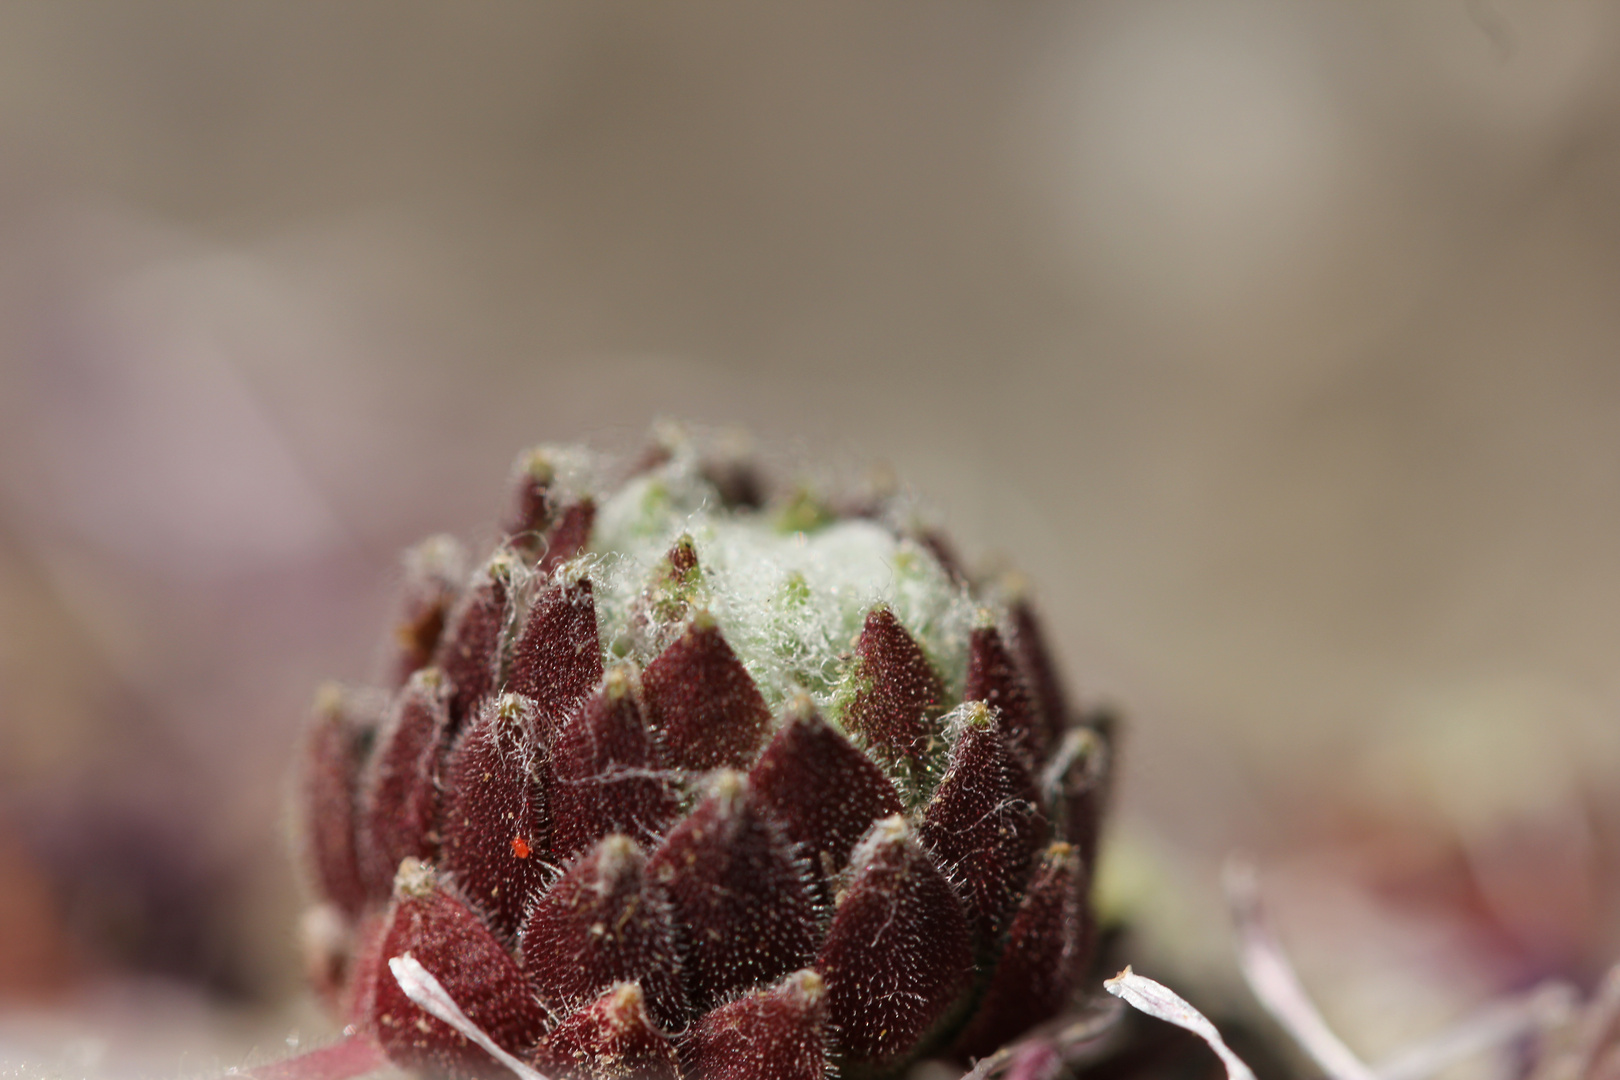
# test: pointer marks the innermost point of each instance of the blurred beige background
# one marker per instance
(1277, 342)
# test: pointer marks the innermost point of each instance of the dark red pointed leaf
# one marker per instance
(1044, 956)
(655, 455)
(898, 954)
(469, 653)
(558, 657)
(984, 822)
(366, 961)
(605, 775)
(613, 1038)
(994, 678)
(1076, 788)
(496, 822)
(823, 791)
(1045, 681)
(326, 939)
(333, 753)
(738, 481)
(352, 1056)
(667, 601)
(400, 800)
(774, 1034)
(476, 971)
(602, 924)
(433, 575)
(570, 536)
(683, 561)
(533, 503)
(703, 703)
(898, 697)
(944, 552)
(740, 897)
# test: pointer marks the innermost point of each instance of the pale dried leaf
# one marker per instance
(421, 987)
(1160, 1001)
(1498, 1024)
(1272, 978)
(1594, 1038)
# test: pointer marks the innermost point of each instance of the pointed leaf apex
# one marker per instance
(702, 701)
(618, 682)
(329, 700)
(619, 857)
(804, 512)
(683, 560)
(504, 567)
(626, 997)
(428, 678)
(510, 707)
(574, 569)
(1014, 587)
(440, 555)
(728, 788)
(415, 880)
(886, 832)
(807, 985)
(977, 714)
(800, 708)
(537, 464)
(893, 693)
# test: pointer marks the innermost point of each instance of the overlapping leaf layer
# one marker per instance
(624, 858)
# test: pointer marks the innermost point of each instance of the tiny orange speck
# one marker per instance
(520, 847)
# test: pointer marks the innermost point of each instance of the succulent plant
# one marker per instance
(690, 779)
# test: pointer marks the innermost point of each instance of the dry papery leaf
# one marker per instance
(1573, 1040)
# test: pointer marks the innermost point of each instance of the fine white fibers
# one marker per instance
(790, 603)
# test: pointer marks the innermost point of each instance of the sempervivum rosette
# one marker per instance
(687, 780)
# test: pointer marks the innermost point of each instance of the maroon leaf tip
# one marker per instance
(898, 696)
(683, 561)
(984, 822)
(703, 703)
(611, 1039)
(600, 924)
(532, 501)
(669, 598)
(558, 657)
(1035, 656)
(333, 754)
(433, 574)
(496, 825)
(327, 941)
(898, 953)
(605, 773)
(773, 1034)
(824, 791)
(994, 678)
(736, 477)
(944, 553)
(1076, 787)
(400, 800)
(469, 653)
(1048, 944)
(738, 893)
(570, 536)
(474, 968)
